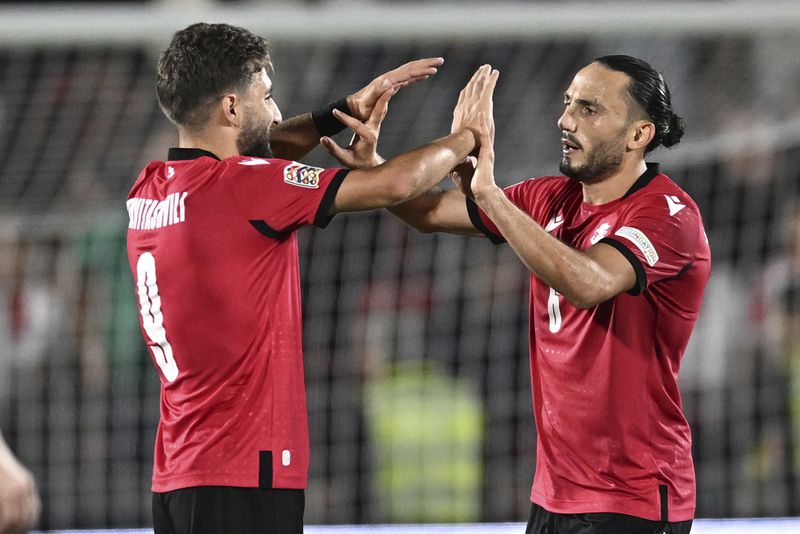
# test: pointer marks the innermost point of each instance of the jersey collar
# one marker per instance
(178, 154)
(653, 169)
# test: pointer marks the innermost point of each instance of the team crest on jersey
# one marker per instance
(638, 238)
(302, 175)
(600, 232)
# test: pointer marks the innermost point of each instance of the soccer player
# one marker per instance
(619, 261)
(19, 500)
(213, 250)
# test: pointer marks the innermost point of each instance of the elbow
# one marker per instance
(587, 298)
(420, 223)
(582, 303)
(396, 192)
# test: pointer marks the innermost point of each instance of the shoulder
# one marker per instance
(664, 195)
(545, 185)
(145, 176)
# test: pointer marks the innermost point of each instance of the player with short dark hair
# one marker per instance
(619, 261)
(213, 250)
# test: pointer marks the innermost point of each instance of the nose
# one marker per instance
(566, 122)
(276, 113)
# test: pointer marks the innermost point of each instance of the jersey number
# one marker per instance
(554, 311)
(152, 318)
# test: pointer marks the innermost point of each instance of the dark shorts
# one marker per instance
(543, 522)
(225, 510)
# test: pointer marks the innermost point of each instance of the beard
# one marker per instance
(603, 160)
(253, 140)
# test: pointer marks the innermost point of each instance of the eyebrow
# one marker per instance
(584, 102)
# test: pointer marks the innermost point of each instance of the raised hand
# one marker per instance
(475, 98)
(362, 102)
(362, 151)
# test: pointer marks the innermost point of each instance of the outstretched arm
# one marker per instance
(295, 137)
(409, 175)
(584, 278)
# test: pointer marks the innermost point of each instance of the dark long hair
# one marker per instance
(649, 91)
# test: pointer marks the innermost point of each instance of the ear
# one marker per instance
(642, 133)
(231, 109)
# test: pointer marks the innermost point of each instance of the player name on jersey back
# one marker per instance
(150, 214)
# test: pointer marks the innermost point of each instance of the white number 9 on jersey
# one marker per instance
(152, 318)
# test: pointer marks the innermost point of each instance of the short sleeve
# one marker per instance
(662, 235)
(519, 194)
(278, 196)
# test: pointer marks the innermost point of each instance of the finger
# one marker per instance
(347, 120)
(476, 86)
(369, 130)
(472, 80)
(470, 87)
(380, 109)
(418, 67)
(341, 155)
(487, 91)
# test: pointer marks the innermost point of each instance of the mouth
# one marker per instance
(569, 146)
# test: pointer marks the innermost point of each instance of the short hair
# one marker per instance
(202, 63)
(649, 91)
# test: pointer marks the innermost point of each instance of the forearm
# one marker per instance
(437, 210)
(293, 138)
(416, 172)
(573, 273)
(404, 177)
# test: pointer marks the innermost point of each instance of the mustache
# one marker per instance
(568, 137)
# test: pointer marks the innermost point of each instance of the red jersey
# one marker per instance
(611, 432)
(214, 256)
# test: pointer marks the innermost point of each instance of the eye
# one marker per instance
(268, 97)
(588, 110)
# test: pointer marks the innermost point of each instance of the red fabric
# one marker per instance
(230, 302)
(605, 391)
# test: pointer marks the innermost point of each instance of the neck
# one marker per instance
(614, 186)
(220, 145)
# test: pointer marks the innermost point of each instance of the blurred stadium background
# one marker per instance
(415, 346)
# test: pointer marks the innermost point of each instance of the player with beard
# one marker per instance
(619, 261)
(213, 250)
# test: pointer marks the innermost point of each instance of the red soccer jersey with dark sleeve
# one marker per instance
(611, 432)
(214, 256)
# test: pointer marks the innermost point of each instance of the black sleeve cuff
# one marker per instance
(324, 120)
(475, 219)
(324, 215)
(641, 276)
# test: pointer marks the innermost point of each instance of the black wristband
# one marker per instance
(324, 120)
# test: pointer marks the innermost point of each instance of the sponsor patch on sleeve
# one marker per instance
(302, 175)
(641, 241)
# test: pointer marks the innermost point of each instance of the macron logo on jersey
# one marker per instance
(253, 162)
(638, 238)
(149, 214)
(674, 203)
(554, 223)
